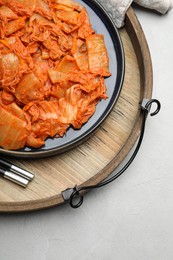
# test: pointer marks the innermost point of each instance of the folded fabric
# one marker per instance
(117, 8)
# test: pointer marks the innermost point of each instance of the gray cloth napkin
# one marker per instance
(118, 8)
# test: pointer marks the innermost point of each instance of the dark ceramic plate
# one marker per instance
(102, 24)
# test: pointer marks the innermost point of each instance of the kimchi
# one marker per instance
(52, 70)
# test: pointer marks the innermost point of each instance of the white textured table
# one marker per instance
(131, 218)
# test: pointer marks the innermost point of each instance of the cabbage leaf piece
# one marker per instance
(29, 89)
(71, 4)
(97, 55)
(13, 128)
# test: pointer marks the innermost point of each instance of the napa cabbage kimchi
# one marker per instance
(52, 70)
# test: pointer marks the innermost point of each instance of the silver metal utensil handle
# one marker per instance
(16, 178)
(22, 172)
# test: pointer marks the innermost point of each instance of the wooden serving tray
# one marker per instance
(92, 161)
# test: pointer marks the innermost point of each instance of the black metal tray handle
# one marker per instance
(74, 195)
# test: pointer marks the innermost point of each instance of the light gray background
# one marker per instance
(130, 219)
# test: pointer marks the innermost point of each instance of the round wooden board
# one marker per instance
(92, 161)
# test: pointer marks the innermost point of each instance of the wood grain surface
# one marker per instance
(96, 158)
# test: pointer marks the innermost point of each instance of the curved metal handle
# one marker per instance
(76, 196)
(150, 102)
(73, 194)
